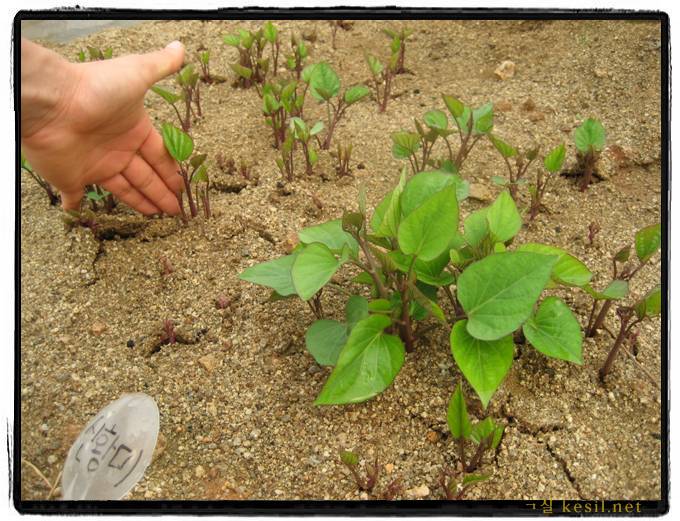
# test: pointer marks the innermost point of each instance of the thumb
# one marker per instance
(71, 200)
(158, 64)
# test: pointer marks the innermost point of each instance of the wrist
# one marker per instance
(47, 82)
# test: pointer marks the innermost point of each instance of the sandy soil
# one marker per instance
(240, 423)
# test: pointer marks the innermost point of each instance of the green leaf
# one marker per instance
(354, 94)
(457, 416)
(503, 218)
(367, 364)
(647, 242)
(482, 118)
(275, 274)
(178, 144)
(325, 339)
(318, 127)
(349, 458)
(200, 175)
(555, 159)
(555, 331)
(168, 96)
(374, 65)
(484, 363)
(499, 181)
(404, 144)
(324, 82)
(427, 231)
(232, 39)
(623, 254)
(616, 290)
(504, 149)
(476, 227)
(424, 185)
(381, 305)
(650, 304)
(436, 119)
(240, 70)
(356, 310)
(269, 31)
(568, 271)
(330, 234)
(498, 292)
(387, 215)
(455, 106)
(471, 479)
(589, 136)
(312, 269)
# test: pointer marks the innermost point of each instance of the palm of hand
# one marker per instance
(101, 134)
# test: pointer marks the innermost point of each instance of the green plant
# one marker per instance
(192, 169)
(286, 161)
(629, 317)
(49, 190)
(408, 253)
(398, 46)
(281, 101)
(303, 135)
(589, 139)
(252, 67)
(553, 164)
(324, 84)
(368, 482)
(647, 243)
(382, 76)
(203, 56)
(96, 194)
(95, 54)
(485, 434)
(522, 159)
(342, 157)
(471, 125)
(295, 61)
(187, 80)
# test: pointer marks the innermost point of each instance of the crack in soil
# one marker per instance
(565, 468)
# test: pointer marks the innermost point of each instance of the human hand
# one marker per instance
(85, 123)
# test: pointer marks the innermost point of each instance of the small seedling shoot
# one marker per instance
(485, 435)
(52, 194)
(192, 168)
(589, 139)
(95, 54)
(187, 80)
(345, 25)
(553, 164)
(398, 46)
(203, 57)
(299, 52)
(303, 135)
(516, 172)
(367, 483)
(253, 67)
(96, 194)
(647, 243)
(471, 126)
(646, 307)
(382, 76)
(324, 85)
(342, 157)
(281, 101)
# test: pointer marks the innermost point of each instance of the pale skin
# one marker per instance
(85, 123)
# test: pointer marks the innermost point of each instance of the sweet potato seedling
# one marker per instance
(553, 164)
(369, 480)
(52, 195)
(410, 253)
(629, 317)
(342, 157)
(522, 160)
(325, 87)
(647, 243)
(398, 46)
(96, 195)
(253, 67)
(280, 102)
(589, 139)
(203, 57)
(286, 160)
(192, 168)
(303, 135)
(382, 76)
(187, 80)
(486, 435)
(95, 54)
(345, 25)
(299, 53)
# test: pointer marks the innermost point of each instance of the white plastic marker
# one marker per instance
(113, 451)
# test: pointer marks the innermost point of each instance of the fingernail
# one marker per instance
(174, 45)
